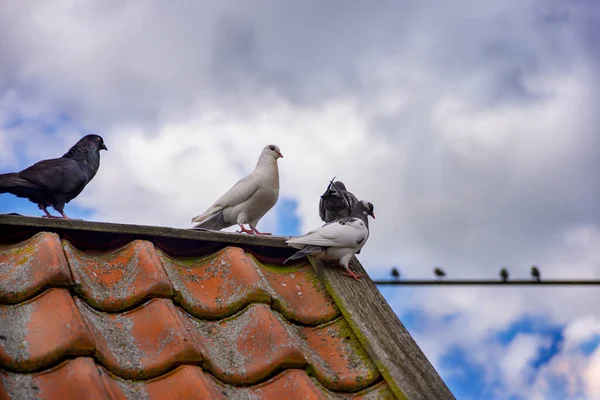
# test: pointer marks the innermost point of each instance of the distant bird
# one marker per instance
(57, 181)
(337, 240)
(395, 273)
(248, 200)
(535, 273)
(439, 272)
(504, 275)
(336, 202)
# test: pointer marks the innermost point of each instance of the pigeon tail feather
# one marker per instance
(214, 222)
(307, 251)
(13, 180)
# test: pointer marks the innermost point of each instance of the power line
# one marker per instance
(467, 282)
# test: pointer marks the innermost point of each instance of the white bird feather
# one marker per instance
(249, 199)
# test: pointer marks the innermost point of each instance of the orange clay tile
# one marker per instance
(290, 385)
(42, 331)
(248, 347)
(216, 286)
(185, 383)
(74, 379)
(380, 391)
(144, 342)
(118, 280)
(29, 267)
(339, 361)
(299, 295)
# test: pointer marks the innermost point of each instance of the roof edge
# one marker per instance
(403, 365)
(60, 225)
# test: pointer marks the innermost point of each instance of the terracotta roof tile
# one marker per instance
(73, 379)
(136, 322)
(42, 331)
(342, 362)
(216, 286)
(248, 347)
(299, 295)
(291, 384)
(144, 342)
(117, 280)
(224, 283)
(29, 267)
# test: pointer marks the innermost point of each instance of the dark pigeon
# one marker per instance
(504, 275)
(57, 181)
(535, 273)
(337, 202)
(439, 272)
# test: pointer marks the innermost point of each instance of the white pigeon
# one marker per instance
(248, 200)
(337, 240)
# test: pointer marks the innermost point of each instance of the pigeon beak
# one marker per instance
(280, 155)
(373, 215)
(103, 147)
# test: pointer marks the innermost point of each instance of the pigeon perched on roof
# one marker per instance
(248, 200)
(336, 202)
(337, 240)
(57, 181)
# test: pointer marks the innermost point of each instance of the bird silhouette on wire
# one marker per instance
(395, 273)
(439, 272)
(535, 273)
(504, 275)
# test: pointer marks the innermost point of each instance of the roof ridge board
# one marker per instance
(57, 224)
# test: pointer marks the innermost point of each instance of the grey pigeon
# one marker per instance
(504, 275)
(248, 200)
(337, 240)
(535, 273)
(439, 272)
(57, 181)
(336, 202)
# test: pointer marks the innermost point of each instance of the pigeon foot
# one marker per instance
(352, 274)
(244, 230)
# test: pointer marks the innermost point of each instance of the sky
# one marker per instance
(471, 126)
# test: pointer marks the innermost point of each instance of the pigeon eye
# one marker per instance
(272, 148)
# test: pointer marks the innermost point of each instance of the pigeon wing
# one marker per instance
(57, 175)
(333, 234)
(349, 199)
(239, 193)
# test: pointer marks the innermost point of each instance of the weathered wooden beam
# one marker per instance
(59, 224)
(397, 356)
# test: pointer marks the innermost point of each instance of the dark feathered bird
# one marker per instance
(395, 273)
(535, 273)
(57, 181)
(504, 274)
(337, 202)
(439, 272)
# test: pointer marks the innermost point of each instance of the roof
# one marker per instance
(130, 312)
